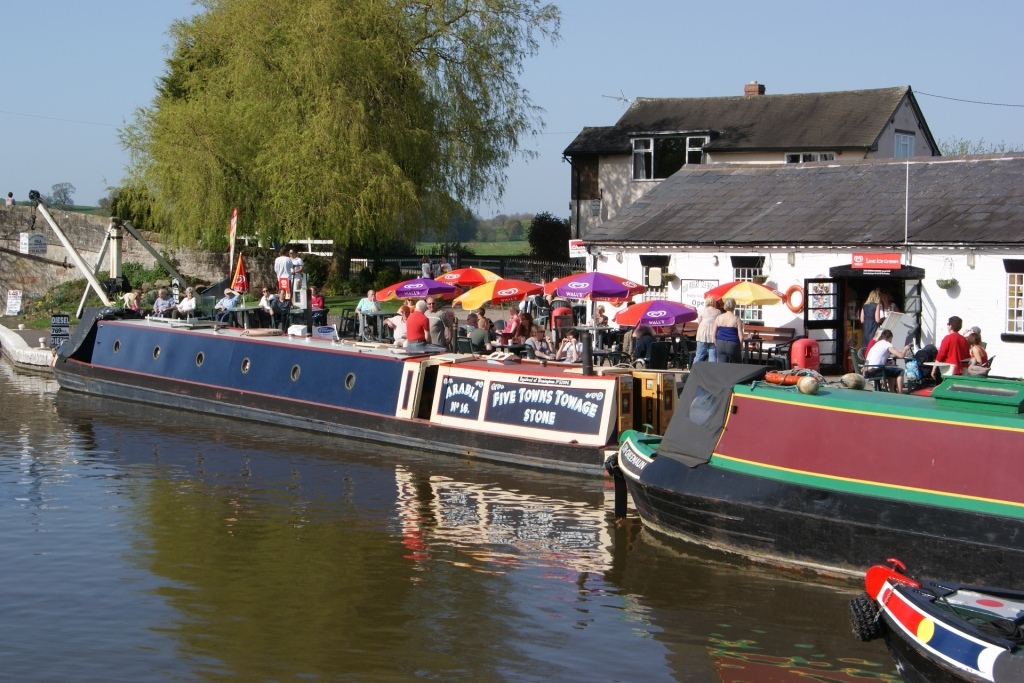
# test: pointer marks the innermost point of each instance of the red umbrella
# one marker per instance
(656, 313)
(240, 283)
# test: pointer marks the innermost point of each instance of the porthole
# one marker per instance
(117, 345)
(296, 371)
(199, 359)
(245, 365)
(350, 380)
(156, 352)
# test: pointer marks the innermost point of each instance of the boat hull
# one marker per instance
(827, 531)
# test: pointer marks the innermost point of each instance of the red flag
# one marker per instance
(240, 283)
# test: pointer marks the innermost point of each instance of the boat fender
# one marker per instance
(776, 377)
(807, 385)
(611, 465)
(852, 380)
(789, 296)
(864, 618)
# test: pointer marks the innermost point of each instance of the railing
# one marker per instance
(511, 267)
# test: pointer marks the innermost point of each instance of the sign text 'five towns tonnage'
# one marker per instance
(540, 403)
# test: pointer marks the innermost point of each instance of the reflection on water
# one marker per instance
(143, 544)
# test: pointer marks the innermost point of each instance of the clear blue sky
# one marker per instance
(75, 71)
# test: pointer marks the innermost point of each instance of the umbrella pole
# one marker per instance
(588, 358)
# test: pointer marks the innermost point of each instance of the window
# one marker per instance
(655, 271)
(904, 145)
(807, 157)
(749, 269)
(658, 158)
(1014, 296)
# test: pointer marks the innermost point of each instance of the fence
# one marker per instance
(511, 267)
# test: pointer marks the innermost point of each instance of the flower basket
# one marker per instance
(760, 279)
(946, 283)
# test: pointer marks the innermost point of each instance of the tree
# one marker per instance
(356, 121)
(956, 147)
(549, 237)
(61, 194)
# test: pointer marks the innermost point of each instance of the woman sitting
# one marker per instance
(978, 360)
(540, 345)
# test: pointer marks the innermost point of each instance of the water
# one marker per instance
(139, 544)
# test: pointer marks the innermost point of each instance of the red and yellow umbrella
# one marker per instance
(468, 277)
(497, 292)
(745, 293)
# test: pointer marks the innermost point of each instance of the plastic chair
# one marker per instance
(464, 345)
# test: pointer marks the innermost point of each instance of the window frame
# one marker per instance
(816, 156)
(644, 154)
(905, 141)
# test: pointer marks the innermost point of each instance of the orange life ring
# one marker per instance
(775, 377)
(795, 289)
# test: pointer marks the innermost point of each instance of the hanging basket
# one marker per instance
(947, 280)
(947, 283)
(760, 279)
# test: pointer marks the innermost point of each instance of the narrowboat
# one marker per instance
(495, 409)
(821, 480)
(939, 631)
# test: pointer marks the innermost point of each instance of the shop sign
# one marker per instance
(576, 249)
(876, 261)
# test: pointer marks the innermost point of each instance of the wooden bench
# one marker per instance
(772, 334)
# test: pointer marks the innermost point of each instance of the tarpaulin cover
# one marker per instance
(700, 414)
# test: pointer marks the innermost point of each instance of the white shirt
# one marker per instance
(282, 267)
(879, 353)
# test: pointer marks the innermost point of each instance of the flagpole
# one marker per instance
(231, 242)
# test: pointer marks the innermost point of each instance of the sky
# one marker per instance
(76, 71)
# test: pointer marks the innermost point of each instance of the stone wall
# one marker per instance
(86, 233)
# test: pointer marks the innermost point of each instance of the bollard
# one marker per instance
(588, 357)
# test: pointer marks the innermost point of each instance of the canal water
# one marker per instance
(142, 544)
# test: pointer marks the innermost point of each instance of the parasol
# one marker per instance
(468, 277)
(656, 313)
(416, 288)
(594, 286)
(746, 293)
(497, 292)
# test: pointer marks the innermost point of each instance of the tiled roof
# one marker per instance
(952, 200)
(850, 119)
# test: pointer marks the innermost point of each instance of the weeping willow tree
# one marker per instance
(352, 120)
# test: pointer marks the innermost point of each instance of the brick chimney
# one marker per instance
(753, 89)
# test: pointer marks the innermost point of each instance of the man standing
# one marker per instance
(436, 321)
(283, 271)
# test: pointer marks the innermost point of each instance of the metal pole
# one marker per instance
(588, 357)
(99, 260)
(149, 247)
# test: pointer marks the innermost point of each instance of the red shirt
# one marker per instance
(954, 348)
(417, 327)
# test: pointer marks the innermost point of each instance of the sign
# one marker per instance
(693, 291)
(60, 329)
(545, 403)
(460, 397)
(325, 332)
(176, 291)
(13, 301)
(874, 261)
(576, 249)
(33, 244)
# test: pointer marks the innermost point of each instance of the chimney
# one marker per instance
(753, 89)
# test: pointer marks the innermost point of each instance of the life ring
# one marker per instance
(784, 378)
(795, 289)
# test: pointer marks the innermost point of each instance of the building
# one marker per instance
(945, 236)
(613, 166)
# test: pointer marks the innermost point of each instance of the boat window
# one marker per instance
(702, 408)
(156, 352)
(350, 380)
(199, 359)
(296, 371)
(117, 345)
(245, 365)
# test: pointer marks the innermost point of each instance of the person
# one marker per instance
(569, 349)
(525, 325)
(163, 304)
(266, 312)
(366, 305)
(540, 344)
(417, 331)
(426, 270)
(283, 271)
(706, 331)
(974, 330)
(443, 267)
(185, 307)
(222, 310)
(600, 319)
(480, 338)
(10, 199)
(471, 321)
(978, 354)
(296, 267)
(879, 356)
(643, 339)
(871, 315)
(399, 325)
(728, 329)
(316, 302)
(886, 304)
(451, 327)
(953, 349)
(282, 306)
(512, 333)
(438, 322)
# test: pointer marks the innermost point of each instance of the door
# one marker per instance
(823, 320)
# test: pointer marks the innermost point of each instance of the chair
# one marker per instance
(683, 354)
(658, 357)
(617, 358)
(464, 345)
(499, 325)
(204, 307)
(857, 359)
(347, 324)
